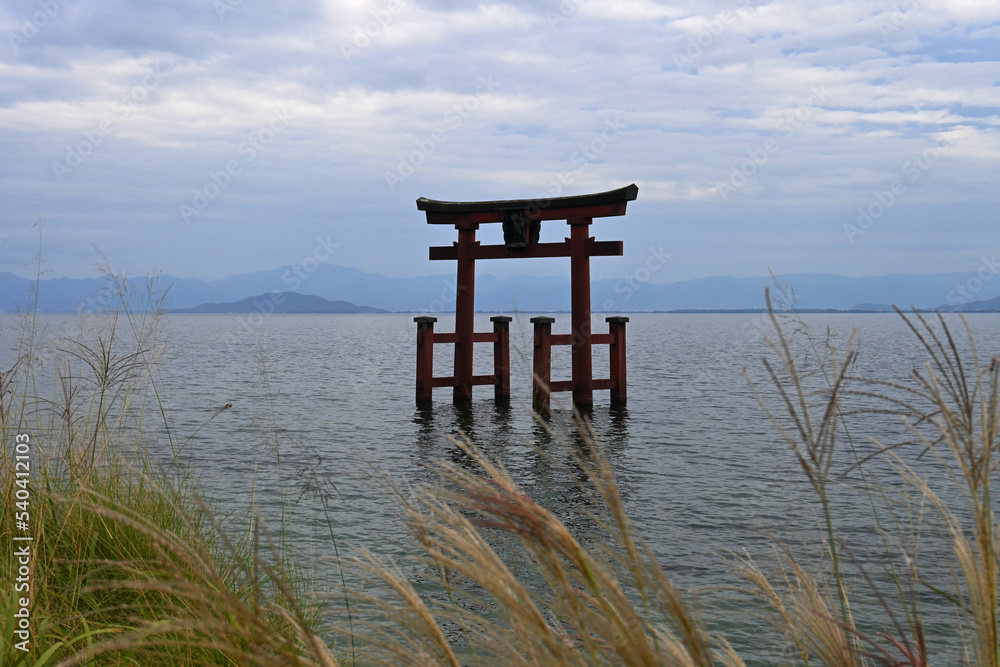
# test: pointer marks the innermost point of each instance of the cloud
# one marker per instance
(827, 102)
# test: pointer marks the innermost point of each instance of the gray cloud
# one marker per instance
(701, 94)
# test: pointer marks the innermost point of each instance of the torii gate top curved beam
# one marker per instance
(596, 205)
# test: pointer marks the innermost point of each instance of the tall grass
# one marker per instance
(552, 601)
(128, 565)
(948, 412)
(132, 567)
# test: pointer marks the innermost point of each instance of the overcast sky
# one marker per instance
(207, 138)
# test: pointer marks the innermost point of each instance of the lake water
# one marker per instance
(703, 470)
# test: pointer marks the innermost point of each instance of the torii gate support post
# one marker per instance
(425, 357)
(501, 357)
(541, 364)
(619, 379)
(583, 364)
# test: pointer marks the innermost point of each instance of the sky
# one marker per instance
(206, 138)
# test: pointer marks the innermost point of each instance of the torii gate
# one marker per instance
(524, 216)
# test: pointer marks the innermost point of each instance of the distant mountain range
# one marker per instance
(436, 293)
(281, 302)
(988, 306)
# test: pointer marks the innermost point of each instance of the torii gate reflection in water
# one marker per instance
(524, 216)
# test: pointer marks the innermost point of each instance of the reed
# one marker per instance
(129, 565)
(553, 602)
(948, 413)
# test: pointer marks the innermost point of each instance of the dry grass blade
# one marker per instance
(577, 612)
(801, 610)
(638, 560)
(413, 637)
(814, 446)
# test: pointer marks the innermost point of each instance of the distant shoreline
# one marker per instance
(682, 311)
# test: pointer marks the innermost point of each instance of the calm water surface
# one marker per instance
(703, 470)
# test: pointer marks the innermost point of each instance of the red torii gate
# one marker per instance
(578, 211)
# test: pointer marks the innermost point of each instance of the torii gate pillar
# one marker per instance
(465, 312)
(583, 363)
